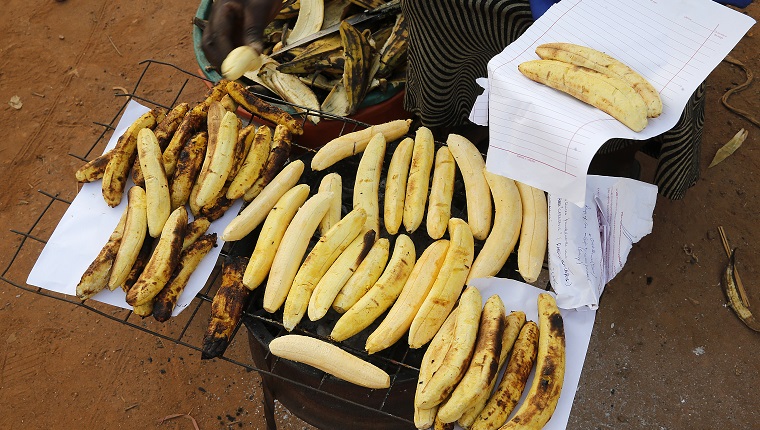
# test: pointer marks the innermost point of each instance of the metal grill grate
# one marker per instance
(399, 361)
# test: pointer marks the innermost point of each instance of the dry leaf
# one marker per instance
(15, 102)
(729, 147)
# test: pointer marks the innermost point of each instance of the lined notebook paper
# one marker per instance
(546, 138)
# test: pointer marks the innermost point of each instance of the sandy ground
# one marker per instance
(666, 352)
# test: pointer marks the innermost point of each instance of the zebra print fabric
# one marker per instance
(450, 44)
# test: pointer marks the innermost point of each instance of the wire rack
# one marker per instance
(187, 328)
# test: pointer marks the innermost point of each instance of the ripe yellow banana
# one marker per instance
(612, 95)
(356, 284)
(132, 238)
(329, 358)
(382, 295)
(545, 390)
(355, 142)
(226, 308)
(253, 165)
(262, 109)
(319, 259)
(441, 193)
(447, 286)
(190, 258)
(395, 185)
(95, 277)
(271, 233)
(276, 160)
(399, 318)
(503, 237)
(216, 168)
(162, 262)
(419, 179)
(122, 158)
(514, 322)
(457, 358)
(431, 362)
(367, 183)
(512, 384)
(187, 167)
(484, 365)
(531, 251)
(471, 164)
(157, 195)
(595, 60)
(292, 248)
(334, 183)
(253, 214)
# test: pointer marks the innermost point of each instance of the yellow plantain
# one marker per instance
(447, 286)
(157, 195)
(253, 165)
(122, 158)
(226, 308)
(531, 251)
(457, 359)
(471, 164)
(543, 395)
(484, 365)
(191, 124)
(94, 169)
(399, 318)
(512, 384)
(216, 167)
(441, 193)
(395, 185)
(503, 237)
(166, 300)
(95, 277)
(367, 183)
(336, 277)
(382, 295)
(277, 157)
(355, 142)
(609, 94)
(353, 284)
(239, 61)
(162, 262)
(274, 227)
(514, 322)
(292, 248)
(253, 214)
(419, 179)
(592, 59)
(431, 362)
(195, 229)
(133, 236)
(188, 165)
(166, 128)
(242, 147)
(331, 182)
(320, 258)
(262, 109)
(329, 358)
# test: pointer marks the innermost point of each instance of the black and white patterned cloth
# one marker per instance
(450, 44)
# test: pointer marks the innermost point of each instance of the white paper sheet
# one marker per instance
(588, 246)
(85, 228)
(578, 326)
(546, 138)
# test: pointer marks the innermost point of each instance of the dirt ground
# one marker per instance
(666, 351)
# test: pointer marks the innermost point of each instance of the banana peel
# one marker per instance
(357, 51)
(734, 289)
